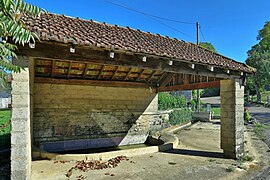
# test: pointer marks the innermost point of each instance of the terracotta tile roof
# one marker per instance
(60, 28)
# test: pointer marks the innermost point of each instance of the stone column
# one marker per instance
(20, 122)
(232, 118)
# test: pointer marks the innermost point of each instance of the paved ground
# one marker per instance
(211, 100)
(262, 115)
(197, 156)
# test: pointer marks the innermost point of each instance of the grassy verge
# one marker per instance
(259, 130)
(263, 94)
(215, 110)
(4, 128)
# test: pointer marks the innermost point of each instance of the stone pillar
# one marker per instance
(232, 118)
(20, 122)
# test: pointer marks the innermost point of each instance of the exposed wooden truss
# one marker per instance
(93, 67)
(204, 85)
(82, 54)
(83, 70)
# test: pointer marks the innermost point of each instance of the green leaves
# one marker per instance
(12, 27)
(208, 46)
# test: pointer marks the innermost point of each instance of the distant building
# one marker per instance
(187, 94)
(5, 94)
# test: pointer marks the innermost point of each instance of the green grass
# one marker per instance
(4, 128)
(259, 130)
(4, 119)
(264, 96)
(215, 110)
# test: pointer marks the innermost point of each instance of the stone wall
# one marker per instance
(20, 122)
(72, 116)
(232, 118)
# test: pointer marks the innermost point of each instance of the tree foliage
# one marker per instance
(259, 58)
(13, 31)
(208, 46)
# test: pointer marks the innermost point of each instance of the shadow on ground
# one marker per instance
(196, 153)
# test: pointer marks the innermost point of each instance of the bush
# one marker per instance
(179, 116)
(167, 101)
(247, 115)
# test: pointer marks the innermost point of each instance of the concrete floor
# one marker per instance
(197, 156)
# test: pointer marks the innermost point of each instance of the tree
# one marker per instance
(208, 46)
(13, 31)
(261, 61)
(259, 58)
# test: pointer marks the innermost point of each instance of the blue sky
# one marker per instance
(230, 25)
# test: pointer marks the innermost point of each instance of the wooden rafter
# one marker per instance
(166, 79)
(152, 76)
(213, 84)
(52, 51)
(130, 70)
(69, 68)
(53, 66)
(85, 70)
(161, 77)
(115, 72)
(140, 74)
(99, 75)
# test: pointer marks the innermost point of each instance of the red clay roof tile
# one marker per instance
(60, 28)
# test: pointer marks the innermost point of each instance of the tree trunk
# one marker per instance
(258, 93)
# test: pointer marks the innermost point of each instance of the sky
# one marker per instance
(230, 25)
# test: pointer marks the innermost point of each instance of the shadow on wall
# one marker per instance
(91, 117)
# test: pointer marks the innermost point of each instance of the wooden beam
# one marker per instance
(140, 74)
(69, 68)
(152, 76)
(166, 80)
(51, 51)
(213, 84)
(91, 82)
(102, 68)
(128, 74)
(85, 70)
(53, 66)
(115, 72)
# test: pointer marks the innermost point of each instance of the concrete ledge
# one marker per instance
(107, 155)
(172, 129)
(164, 143)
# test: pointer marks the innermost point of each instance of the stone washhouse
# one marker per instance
(89, 85)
